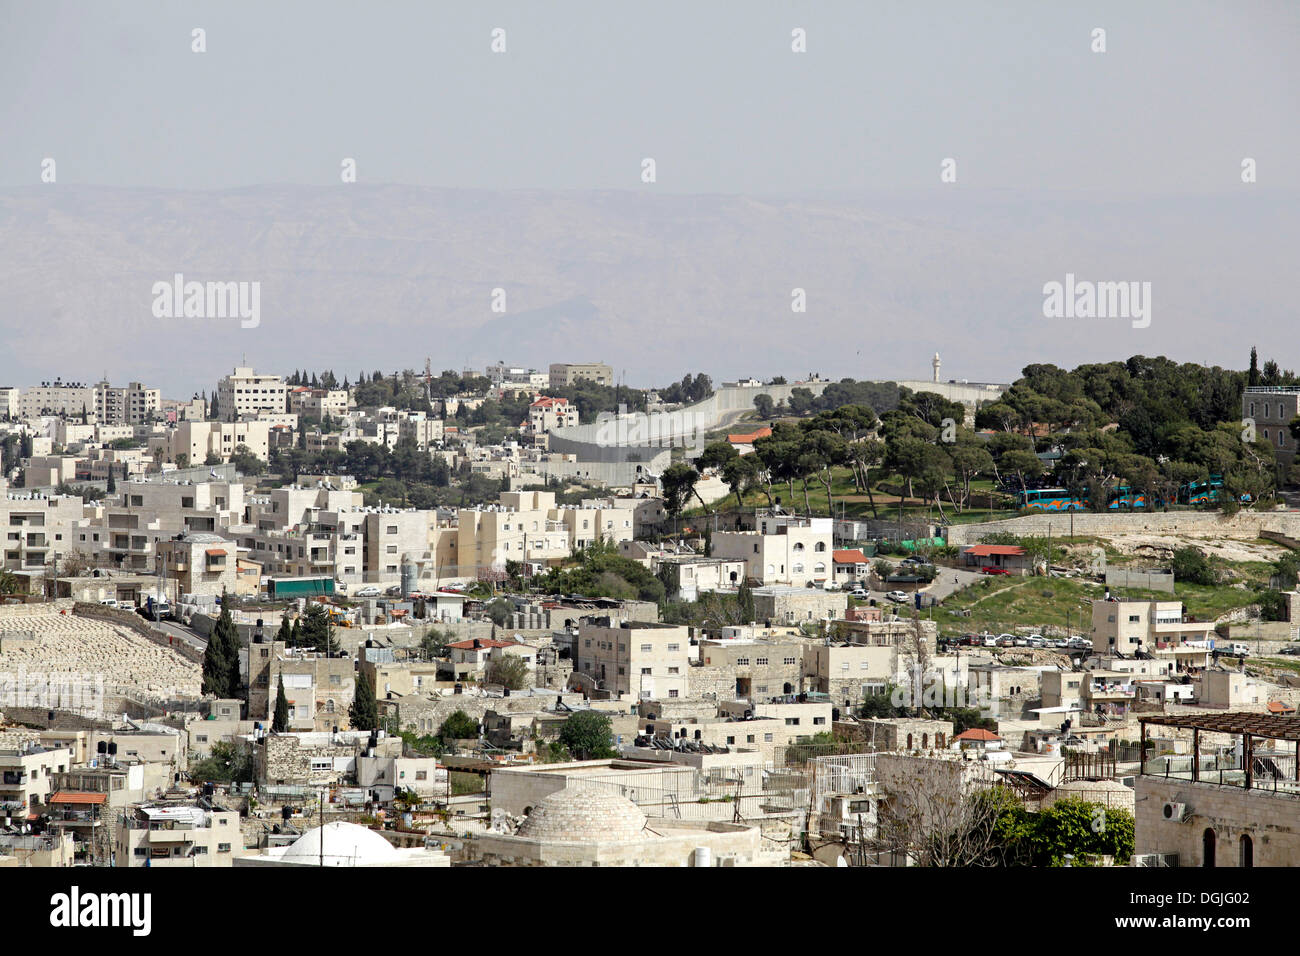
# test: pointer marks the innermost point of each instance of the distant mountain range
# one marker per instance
(656, 284)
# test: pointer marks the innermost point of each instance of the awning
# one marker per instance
(77, 797)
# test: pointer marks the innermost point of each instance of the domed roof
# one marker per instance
(584, 814)
(346, 844)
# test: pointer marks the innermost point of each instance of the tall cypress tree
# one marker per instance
(364, 712)
(280, 722)
(216, 669)
(226, 637)
(745, 598)
(285, 634)
(295, 633)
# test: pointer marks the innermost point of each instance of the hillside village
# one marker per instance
(527, 618)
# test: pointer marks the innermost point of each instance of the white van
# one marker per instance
(1237, 650)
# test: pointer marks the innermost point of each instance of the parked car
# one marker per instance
(1290, 651)
(990, 569)
(898, 597)
(369, 591)
(990, 640)
(1006, 641)
(859, 593)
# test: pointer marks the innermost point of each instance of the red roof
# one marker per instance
(75, 796)
(977, 733)
(482, 642)
(1277, 707)
(215, 551)
(985, 550)
(750, 437)
(547, 402)
(849, 556)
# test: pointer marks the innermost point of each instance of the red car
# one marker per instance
(990, 569)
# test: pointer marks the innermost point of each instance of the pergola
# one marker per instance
(1250, 727)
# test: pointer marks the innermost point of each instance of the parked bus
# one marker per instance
(1049, 499)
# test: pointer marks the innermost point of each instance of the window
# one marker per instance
(674, 648)
(819, 720)
(749, 739)
(767, 738)
(787, 661)
(645, 648)
(223, 847)
(672, 693)
(645, 670)
(742, 661)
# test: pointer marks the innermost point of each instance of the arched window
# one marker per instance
(798, 568)
(821, 546)
(925, 741)
(1207, 847)
(798, 545)
(909, 741)
(819, 568)
(1247, 850)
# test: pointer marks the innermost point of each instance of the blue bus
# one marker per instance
(1205, 492)
(1049, 499)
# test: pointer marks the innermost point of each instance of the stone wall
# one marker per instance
(1245, 525)
(1272, 821)
(103, 612)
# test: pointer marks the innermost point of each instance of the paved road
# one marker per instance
(951, 580)
(182, 633)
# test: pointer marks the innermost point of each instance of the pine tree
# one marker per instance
(112, 483)
(280, 722)
(364, 712)
(285, 634)
(295, 634)
(1252, 377)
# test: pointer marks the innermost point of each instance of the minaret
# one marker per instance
(936, 363)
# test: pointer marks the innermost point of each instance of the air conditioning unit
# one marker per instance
(1176, 812)
(1155, 859)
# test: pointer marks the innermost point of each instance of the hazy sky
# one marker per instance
(1119, 165)
(710, 90)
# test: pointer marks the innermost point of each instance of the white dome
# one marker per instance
(346, 844)
(584, 814)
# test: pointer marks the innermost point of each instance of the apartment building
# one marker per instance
(318, 402)
(1271, 408)
(420, 428)
(564, 374)
(197, 440)
(642, 658)
(154, 510)
(38, 528)
(747, 669)
(245, 393)
(27, 770)
(528, 525)
(10, 402)
(171, 834)
(56, 398)
(786, 549)
(1124, 627)
(131, 405)
(319, 689)
(200, 564)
